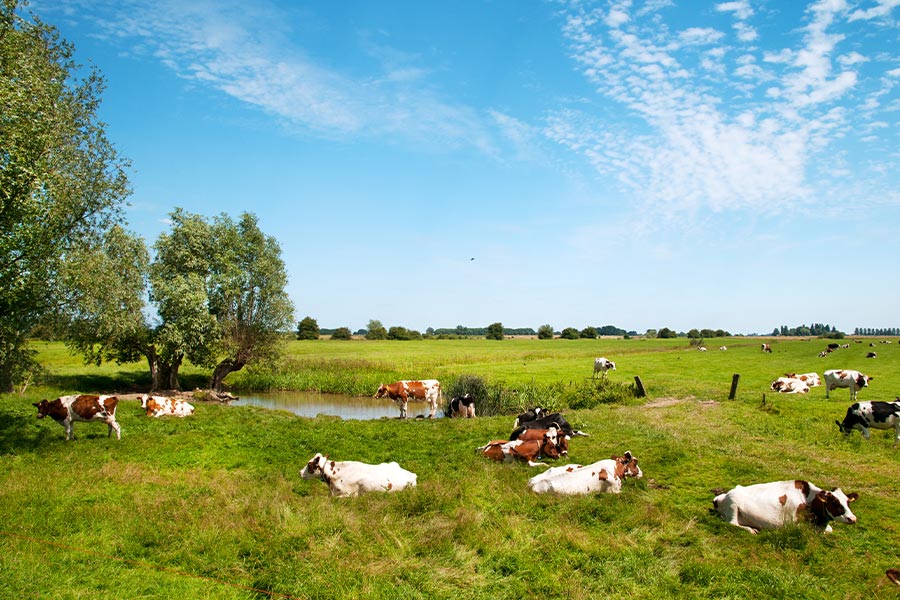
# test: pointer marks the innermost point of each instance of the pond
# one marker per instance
(311, 404)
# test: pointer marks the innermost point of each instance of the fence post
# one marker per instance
(734, 384)
(640, 386)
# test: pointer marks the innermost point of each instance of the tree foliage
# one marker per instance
(588, 333)
(342, 333)
(62, 182)
(545, 332)
(494, 331)
(569, 333)
(376, 331)
(308, 329)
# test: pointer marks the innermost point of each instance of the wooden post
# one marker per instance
(640, 386)
(734, 383)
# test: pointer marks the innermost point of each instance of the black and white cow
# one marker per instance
(872, 415)
(462, 407)
(845, 378)
(546, 422)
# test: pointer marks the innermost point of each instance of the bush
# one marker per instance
(308, 329)
(569, 333)
(589, 333)
(342, 333)
(494, 331)
(545, 332)
(590, 394)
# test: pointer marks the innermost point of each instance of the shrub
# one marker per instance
(494, 331)
(569, 333)
(590, 394)
(308, 329)
(588, 333)
(545, 332)
(342, 333)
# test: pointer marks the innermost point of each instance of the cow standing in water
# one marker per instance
(401, 392)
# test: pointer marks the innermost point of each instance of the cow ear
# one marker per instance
(852, 497)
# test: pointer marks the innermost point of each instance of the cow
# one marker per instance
(351, 478)
(789, 385)
(872, 415)
(462, 407)
(401, 392)
(723, 348)
(161, 406)
(893, 575)
(871, 355)
(602, 365)
(65, 410)
(846, 378)
(772, 505)
(702, 348)
(530, 415)
(546, 422)
(822, 354)
(561, 439)
(811, 379)
(530, 451)
(601, 476)
(845, 345)
(766, 348)
(833, 346)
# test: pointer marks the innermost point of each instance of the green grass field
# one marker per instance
(213, 506)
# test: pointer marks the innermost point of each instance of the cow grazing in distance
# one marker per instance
(65, 410)
(401, 392)
(766, 348)
(701, 348)
(351, 478)
(601, 476)
(529, 452)
(833, 346)
(602, 365)
(723, 348)
(161, 406)
(845, 378)
(789, 385)
(462, 407)
(772, 505)
(871, 355)
(872, 415)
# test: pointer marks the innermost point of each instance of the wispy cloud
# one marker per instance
(759, 140)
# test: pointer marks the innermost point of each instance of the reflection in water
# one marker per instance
(310, 404)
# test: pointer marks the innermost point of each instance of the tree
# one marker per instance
(494, 331)
(694, 334)
(62, 184)
(650, 333)
(545, 332)
(308, 329)
(376, 331)
(588, 333)
(342, 333)
(569, 333)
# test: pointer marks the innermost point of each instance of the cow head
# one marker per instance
(549, 447)
(863, 380)
(315, 468)
(833, 505)
(43, 408)
(382, 390)
(844, 430)
(627, 466)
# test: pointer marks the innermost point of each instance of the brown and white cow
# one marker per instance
(401, 392)
(559, 437)
(530, 451)
(601, 476)
(65, 410)
(351, 478)
(766, 348)
(772, 505)
(789, 385)
(845, 378)
(811, 379)
(161, 406)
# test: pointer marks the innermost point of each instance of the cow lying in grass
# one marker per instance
(350, 478)
(772, 505)
(601, 476)
(528, 451)
(160, 406)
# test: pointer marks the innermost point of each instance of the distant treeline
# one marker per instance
(817, 329)
(877, 331)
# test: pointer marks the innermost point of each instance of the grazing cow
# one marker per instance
(530, 415)
(823, 353)
(766, 348)
(65, 410)
(833, 346)
(845, 345)
(561, 439)
(871, 355)
(161, 406)
(602, 365)
(401, 392)
(874, 415)
(772, 505)
(462, 407)
(702, 348)
(811, 379)
(601, 476)
(846, 378)
(546, 422)
(530, 451)
(350, 478)
(789, 385)
(722, 348)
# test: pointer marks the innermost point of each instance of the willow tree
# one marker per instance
(62, 183)
(219, 287)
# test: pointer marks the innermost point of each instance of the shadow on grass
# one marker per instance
(17, 434)
(123, 382)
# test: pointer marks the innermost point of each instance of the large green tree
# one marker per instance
(62, 183)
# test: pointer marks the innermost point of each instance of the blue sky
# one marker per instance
(641, 163)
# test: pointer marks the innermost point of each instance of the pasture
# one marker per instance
(213, 506)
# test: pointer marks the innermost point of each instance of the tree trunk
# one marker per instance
(163, 375)
(222, 370)
(153, 362)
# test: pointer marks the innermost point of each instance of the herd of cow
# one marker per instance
(537, 435)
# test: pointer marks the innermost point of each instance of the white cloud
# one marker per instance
(882, 8)
(700, 36)
(741, 9)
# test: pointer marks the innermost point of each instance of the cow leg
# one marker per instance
(736, 520)
(866, 433)
(70, 431)
(113, 425)
(896, 433)
(433, 408)
(403, 406)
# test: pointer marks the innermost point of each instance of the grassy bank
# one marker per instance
(209, 506)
